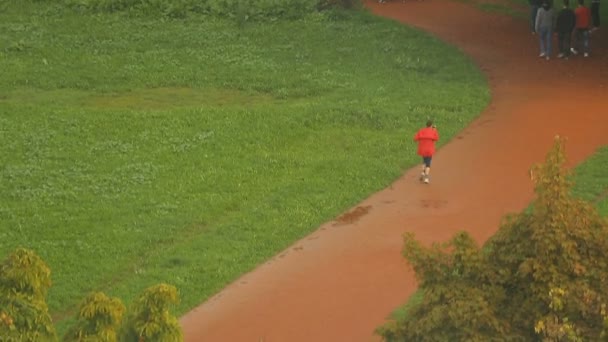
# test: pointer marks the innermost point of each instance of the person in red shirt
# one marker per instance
(583, 20)
(426, 138)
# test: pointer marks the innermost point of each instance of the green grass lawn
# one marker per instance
(591, 180)
(590, 183)
(136, 151)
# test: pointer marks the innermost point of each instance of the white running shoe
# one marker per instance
(573, 51)
(586, 54)
(426, 180)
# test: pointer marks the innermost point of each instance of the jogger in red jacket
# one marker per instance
(426, 138)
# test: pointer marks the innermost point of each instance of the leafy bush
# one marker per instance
(542, 276)
(150, 320)
(24, 282)
(99, 319)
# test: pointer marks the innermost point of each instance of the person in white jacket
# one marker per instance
(544, 27)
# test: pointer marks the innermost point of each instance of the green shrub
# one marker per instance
(24, 282)
(541, 277)
(149, 318)
(98, 320)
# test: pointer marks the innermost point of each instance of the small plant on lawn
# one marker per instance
(98, 320)
(542, 276)
(24, 282)
(150, 319)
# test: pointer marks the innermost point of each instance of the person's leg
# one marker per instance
(567, 43)
(560, 43)
(541, 38)
(549, 41)
(545, 37)
(577, 41)
(595, 14)
(586, 42)
(423, 173)
(427, 168)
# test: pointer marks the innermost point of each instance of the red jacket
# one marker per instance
(583, 16)
(426, 138)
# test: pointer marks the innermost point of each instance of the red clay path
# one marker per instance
(341, 282)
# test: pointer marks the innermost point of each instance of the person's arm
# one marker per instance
(554, 20)
(572, 21)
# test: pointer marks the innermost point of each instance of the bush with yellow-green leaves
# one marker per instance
(24, 282)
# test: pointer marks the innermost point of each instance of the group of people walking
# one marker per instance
(579, 23)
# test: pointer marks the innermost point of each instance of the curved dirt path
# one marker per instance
(341, 282)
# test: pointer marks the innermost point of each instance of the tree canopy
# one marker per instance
(24, 282)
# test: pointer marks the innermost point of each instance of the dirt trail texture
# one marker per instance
(341, 282)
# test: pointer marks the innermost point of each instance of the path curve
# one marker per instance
(341, 282)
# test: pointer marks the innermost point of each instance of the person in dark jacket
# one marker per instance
(566, 20)
(595, 14)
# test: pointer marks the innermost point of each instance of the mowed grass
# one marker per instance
(136, 151)
(590, 183)
(591, 180)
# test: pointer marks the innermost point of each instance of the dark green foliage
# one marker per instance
(554, 252)
(451, 309)
(149, 318)
(541, 277)
(24, 283)
(98, 320)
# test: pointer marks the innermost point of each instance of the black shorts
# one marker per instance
(427, 161)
